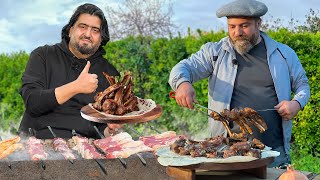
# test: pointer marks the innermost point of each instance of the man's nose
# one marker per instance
(87, 33)
(238, 31)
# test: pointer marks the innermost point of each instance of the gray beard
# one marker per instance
(242, 46)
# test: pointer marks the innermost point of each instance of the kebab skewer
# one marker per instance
(143, 161)
(153, 128)
(4, 156)
(84, 148)
(87, 151)
(60, 145)
(123, 162)
(36, 150)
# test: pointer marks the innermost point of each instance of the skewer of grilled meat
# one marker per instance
(242, 117)
(220, 118)
(225, 121)
(36, 149)
(254, 118)
(234, 115)
(123, 162)
(257, 144)
(4, 144)
(4, 154)
(61, 145)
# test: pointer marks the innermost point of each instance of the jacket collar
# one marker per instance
(271, 44)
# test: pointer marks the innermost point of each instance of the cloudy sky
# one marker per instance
(27, 24)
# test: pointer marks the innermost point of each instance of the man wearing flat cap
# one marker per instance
(247, 69)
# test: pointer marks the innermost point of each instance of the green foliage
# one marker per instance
(11, 104)
(305, 162)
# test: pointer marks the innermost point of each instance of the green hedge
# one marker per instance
(11, 104)
(150, 60)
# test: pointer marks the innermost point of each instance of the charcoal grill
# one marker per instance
(84, 169)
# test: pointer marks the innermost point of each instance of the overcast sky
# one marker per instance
(27, 24)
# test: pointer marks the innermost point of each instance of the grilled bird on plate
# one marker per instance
(118, 98)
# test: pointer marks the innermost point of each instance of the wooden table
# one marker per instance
(229, 171)
(271, 174)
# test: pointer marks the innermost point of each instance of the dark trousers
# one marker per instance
(283, 158)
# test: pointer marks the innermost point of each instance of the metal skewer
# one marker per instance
(272, 109)
(7, 160)
(123, 162)
(31, 132)
(74, 133)
(143, 161)
(200, 106)
(151, 127)
(55, 136)
(41, 161)
(203, 112)
(100, 164)
(172, 94)
(99, 133)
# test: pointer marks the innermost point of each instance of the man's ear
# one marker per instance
(259, 21)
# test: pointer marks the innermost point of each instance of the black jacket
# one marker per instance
(48, 68)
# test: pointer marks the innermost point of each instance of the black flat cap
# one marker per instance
(245, 8)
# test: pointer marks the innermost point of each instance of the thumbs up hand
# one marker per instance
(86, 82)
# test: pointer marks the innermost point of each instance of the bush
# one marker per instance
(11, 104)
